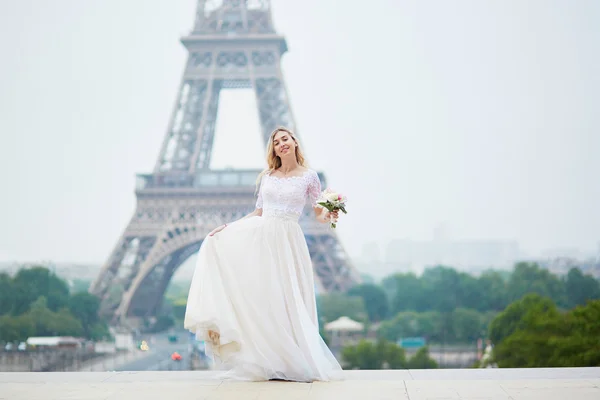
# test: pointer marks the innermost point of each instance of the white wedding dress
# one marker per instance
(254, 285)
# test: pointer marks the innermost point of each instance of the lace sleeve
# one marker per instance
(259, 200)
(314, 188)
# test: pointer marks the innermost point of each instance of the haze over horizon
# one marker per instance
(482, 116)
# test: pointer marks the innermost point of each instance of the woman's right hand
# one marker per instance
(217, 230)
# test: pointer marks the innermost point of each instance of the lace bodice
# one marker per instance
(288, 195)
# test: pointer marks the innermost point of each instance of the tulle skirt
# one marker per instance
(252, 300)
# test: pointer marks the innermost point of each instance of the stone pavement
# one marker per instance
(490, 384)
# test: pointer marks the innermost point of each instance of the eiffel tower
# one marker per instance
(233, 45)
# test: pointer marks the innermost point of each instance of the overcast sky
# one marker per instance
(481, 115)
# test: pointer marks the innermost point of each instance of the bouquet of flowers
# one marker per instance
(332, 201)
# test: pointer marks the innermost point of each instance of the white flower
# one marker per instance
(332, 196)
(332, 201)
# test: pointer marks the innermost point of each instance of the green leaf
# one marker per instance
(327, 205)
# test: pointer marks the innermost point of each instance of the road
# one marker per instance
(159, 354)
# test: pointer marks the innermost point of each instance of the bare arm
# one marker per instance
(256, 213)
(322, 215)
(314, 190)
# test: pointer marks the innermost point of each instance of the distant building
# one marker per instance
(560, 261)
(562, 265)
(69, 271)
(407, 255)
(470, 256)
(55, 342)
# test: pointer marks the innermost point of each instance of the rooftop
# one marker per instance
(491, 384)
(53, 340)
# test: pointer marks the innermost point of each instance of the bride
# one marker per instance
(252, 297)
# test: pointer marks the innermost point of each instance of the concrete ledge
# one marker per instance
(506, 384)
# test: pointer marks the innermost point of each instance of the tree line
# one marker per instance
(534, 332)
(36, 302)
(384, 354)
(444, 289)
(533, 317)
(445, 305)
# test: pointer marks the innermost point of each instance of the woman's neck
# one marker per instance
(288, 165)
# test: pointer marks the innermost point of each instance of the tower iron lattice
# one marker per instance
(233, 45)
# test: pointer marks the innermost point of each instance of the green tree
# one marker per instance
(16, 329)
(334, 305)
(65, 324)
(528, 348)
(546, 338)
(494, 287)
(444, 289)
(442, 286)
(368, 355)
(486, 320)
(530, 278)
(466, 325)
(177, 290)
(49, 323)
(580, 288)
(389, 286)
(366, 278)
(461, 325)
(580, 345)
(325, 336)
(422, 360)
(470, 293)
(405, 291)
(85, 307)
(7, 294)
(513, 319)
(80, 285)
(361, 356)
(99, 331)
(374, 299)
(430, 325)
(394, 356)
(404, 324)
(9, 331)
(36, 302)
(42, 317)
(31, 283)
(179, 306)
(525, 333)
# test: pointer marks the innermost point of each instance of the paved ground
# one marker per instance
(490, 384)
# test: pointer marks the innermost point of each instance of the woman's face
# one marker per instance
(283, 144)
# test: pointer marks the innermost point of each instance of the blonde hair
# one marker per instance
(273, 160)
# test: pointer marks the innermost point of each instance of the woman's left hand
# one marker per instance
(333, 216)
